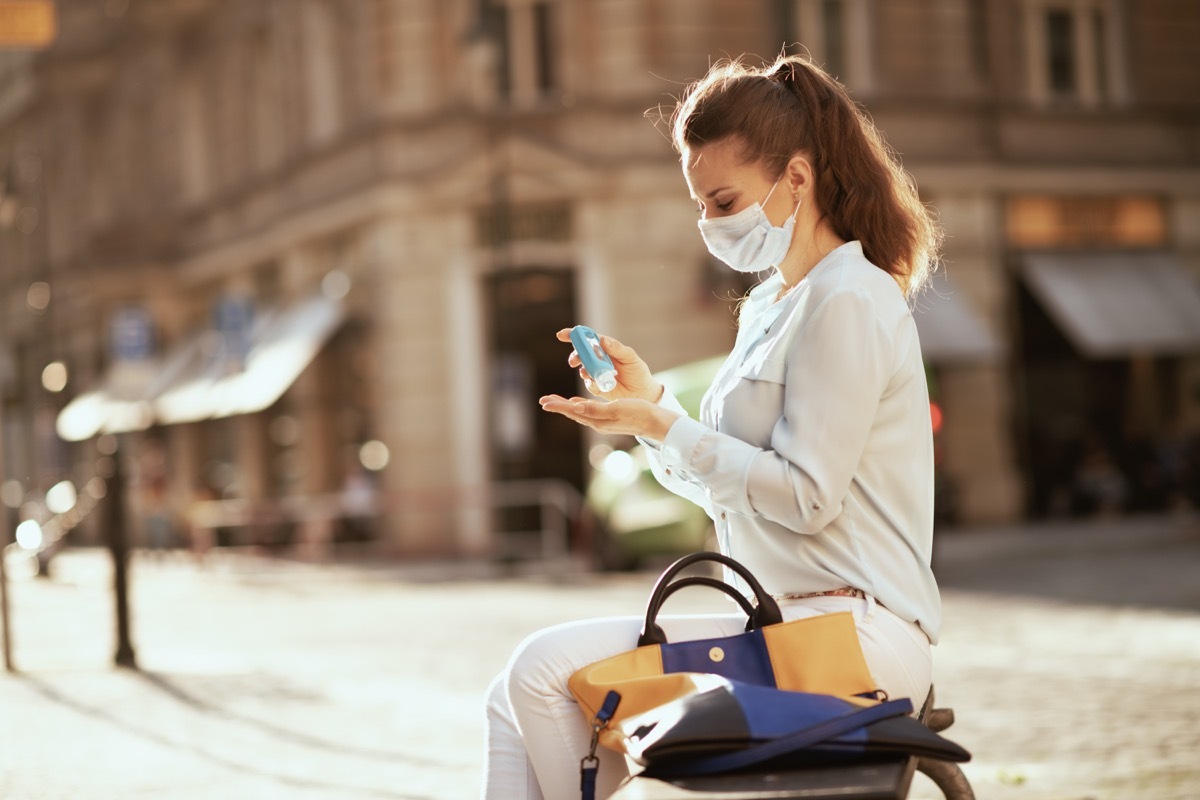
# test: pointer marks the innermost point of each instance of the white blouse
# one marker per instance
(814, 451)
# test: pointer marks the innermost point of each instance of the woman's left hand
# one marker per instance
(630, 416)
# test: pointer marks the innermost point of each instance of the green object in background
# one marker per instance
(689, 382)
(639, 520)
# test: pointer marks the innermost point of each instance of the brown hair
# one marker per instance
(793, 106)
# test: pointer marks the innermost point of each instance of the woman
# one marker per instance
(814, 452)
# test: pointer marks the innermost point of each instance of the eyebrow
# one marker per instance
(714, 192)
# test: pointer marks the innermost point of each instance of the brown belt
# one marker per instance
(845, 591)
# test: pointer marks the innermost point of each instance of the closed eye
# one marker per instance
(728, 204)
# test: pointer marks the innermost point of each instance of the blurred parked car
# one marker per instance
(638, 521)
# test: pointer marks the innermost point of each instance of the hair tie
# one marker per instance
(784, 72)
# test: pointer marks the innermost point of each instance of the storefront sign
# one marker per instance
(30, 23)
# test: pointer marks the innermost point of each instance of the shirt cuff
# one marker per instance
(671, 403)
(680, 444)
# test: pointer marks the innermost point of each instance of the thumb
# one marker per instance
(617, 351)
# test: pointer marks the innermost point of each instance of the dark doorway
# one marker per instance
(526, 308)
(1088, 427)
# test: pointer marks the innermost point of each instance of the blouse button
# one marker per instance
(722, 515)
(667, 470)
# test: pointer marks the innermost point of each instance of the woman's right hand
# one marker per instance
(634, 379)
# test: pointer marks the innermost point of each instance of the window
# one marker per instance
(1074, 53)
(524, 36)
(543, 35)
(321, 59)
(264, 100)
(1060, 53)
(836, 33)
(834, 37)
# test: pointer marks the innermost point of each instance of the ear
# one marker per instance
(799, 173)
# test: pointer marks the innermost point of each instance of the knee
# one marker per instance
(496, 698)
(539, 665)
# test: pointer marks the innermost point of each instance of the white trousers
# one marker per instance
(536, 733)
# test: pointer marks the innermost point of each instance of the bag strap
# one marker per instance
(766, 613)
(590, 764)
(712, 583)
(789, 743)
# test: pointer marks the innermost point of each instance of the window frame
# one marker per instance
(528, 38)
(857, 67)
(1097, 54)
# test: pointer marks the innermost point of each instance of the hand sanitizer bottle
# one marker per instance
(595, 360)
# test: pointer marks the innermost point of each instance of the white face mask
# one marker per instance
(747, 241)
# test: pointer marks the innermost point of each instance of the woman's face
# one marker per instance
(722, 184)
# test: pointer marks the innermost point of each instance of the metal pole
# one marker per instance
(5, 622)
(5, 519)
(115, 521)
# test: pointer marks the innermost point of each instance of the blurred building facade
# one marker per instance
(379, 212)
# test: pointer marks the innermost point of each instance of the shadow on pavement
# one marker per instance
(174, 691)
(116, 720)
(1150, 562)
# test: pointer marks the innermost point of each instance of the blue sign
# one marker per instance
(132, 334)
(234, 319)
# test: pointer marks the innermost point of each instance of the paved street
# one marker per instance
(1071, 655)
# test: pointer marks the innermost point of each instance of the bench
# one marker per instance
(881, 780)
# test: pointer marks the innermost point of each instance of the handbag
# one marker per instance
(818, 654)
(728, 726)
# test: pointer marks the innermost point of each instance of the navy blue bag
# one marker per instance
(732, 726)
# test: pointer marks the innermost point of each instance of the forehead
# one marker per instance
(723, 155)
(717, 165)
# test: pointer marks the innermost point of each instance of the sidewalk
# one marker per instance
(269, 679)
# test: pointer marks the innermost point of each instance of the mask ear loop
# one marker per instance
(763, 204)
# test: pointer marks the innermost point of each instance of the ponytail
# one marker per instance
(793, 106)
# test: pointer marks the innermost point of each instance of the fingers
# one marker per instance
(620, 354)
(578, 408)
(571, 409)
(616, 350)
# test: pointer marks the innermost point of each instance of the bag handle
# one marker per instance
(767, 612)
(712, 583)
(788, 743)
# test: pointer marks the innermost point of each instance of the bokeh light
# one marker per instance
(12, 494)
(96, 488)
(29, 534)
(61, 497)
(374, 455)
(38, 296)
(335, 285)
(54, 376)
(619, 466)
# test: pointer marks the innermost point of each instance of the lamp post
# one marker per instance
(4, 534)
(118, 545)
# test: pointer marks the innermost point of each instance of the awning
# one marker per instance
(125, 400)
(194, 383)
(1116, 304)
(284, 342)
(950, 330)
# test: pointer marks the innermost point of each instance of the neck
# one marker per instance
(807, 250)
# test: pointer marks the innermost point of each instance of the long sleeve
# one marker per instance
(675, 479)
(833, 376)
